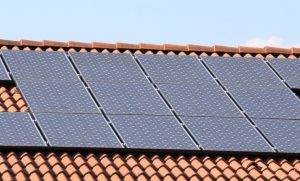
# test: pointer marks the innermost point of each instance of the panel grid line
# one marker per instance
(99, 107)
(167, 103)
(33, 118)
(237, 105)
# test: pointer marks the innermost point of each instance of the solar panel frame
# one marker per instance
(108, 67)
(40, 66)
(152, 132)
(288, 69)
(129, 98)
(64, 97)
(77, 130)
(17, 129)
(226, 134)
(284, 134)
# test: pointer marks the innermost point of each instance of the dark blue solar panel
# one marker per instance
(154, 132)
(289, 70)
(243, 72)
(284, 134)
(174, 69)
(108, 67)
(39, 66)
(255, 87)
(77, 130)
(268, 103)
(228, 134)
(199, 100)
(66, 97)
(17, 129)
(129, 98)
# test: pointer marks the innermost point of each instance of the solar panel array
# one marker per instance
(109, 100)
(270, 104)
(200, 101)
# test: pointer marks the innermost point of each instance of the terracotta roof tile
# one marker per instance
(50, 43)
(103, 45)
(295, 50)
(173, 47)
(121, 45)
(199, 48)
(277, 50)
(147, 46)
(31, 43)
(9, 42)
(244, 49)
(75, 44)
(225, 49)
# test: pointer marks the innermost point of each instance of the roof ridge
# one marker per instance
(144, 47)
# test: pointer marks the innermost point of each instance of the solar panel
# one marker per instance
(255, 87)
(174, 69)
(77, 130)
(3, 73)
(243, 72)
(289, 70)
(199, 100)
(284, 134)
(108, 67)
(129, 98)
(268, 103)
(17, 129)
(228, 134)
(154, 132)
(66, 97)
(39, 65)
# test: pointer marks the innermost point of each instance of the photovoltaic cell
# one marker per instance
(268, 103)
(3, 73)
(152, 132)
(255, 87)
(228, 134)
(199, 100)
(174, 69)
(243, 72)
(65, 97)
(77, 130)
(39, 65)
(129, 98)
(17, 129)
(108, 67)
(284, 134)
(289, 70)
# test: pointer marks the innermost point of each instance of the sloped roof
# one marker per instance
(50, 165)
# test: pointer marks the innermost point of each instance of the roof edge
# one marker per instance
(165, 48)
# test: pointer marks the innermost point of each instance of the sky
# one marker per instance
(229, 22)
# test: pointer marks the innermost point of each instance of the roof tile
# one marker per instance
(225, 49)
(147, 46)
(129, 46)
(31, 43)
(103, 45)
(50, 43)
(245, 49)
(75, 44)
(199, 48)
(173, 47)
(277, 50)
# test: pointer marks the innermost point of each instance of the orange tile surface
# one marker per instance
(11, 100)
(63, 166)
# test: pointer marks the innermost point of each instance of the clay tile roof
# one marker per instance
(295, 50)
(50, 43)
(9, 43)
(30, 43)
(41, 166)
